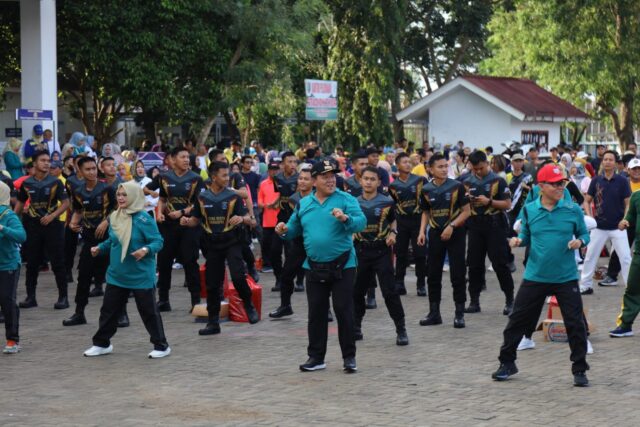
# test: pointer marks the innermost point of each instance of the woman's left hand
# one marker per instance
(139, 254)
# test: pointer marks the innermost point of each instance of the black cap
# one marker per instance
(324, 166)
(274, 165)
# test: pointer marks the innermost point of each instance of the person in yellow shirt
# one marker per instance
(56, 170)
(634, 174)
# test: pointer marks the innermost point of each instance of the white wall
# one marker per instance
(462, 115)
(518, 126)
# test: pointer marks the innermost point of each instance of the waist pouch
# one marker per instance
(331, 271)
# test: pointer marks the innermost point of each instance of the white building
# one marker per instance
(483, 111)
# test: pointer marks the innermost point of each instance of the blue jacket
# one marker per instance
(130, 273)
(11, 236)
(326, 238)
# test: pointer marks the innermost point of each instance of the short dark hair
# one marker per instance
(86, 159)
(214, 167)
(104, 159)
(39, 154)
(435, 158)
(360, 154)
(401, 156)
(309, 152)
(287, 154)
(553, 149)
(489, 149)
(632, 143)
(215, 152)
(245, 157)
(371, 169)
(67, 158)
(305, 170)
(627, 158)
(532, 149)
(178, 150)
(477, 157)
(615, 154)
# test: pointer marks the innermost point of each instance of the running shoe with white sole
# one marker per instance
(621, 332)
(159, 354)
(98, 351)
(12, 347)
(526, 344)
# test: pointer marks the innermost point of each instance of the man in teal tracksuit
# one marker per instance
(327, 219)
(549, 226)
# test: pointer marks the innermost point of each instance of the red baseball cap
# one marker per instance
(551, 173)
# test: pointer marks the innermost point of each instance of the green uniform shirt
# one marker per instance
(632, 217)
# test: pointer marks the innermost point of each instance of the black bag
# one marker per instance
(331, 271)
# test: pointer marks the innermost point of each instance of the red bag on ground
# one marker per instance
(237, 312)
(203, 281)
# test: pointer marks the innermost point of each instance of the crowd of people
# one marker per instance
(335, 225)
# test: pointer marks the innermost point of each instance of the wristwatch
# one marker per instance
(394, 231)
(452, 225)
(146, 249)
(182, 212)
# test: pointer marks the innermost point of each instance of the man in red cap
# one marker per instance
(549, 225)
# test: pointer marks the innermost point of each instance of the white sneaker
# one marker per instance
(98, 351)
(589, 347)
(176, 266)
(445, 268)
(158, 354)
(526, 344)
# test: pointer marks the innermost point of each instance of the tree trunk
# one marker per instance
(206, 130)
(398, 125)
(625, 129)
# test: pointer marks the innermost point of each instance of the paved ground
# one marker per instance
(249, 375)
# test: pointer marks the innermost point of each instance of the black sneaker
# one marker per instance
(164, 306)
(608, 281)
(69, 277)
(210, 329)
(505, 371)
(62, 303)
(349, 365)
(422, 291)
(357, 334)
(254, 274)
(580, 379)
(1, 317)
(371, 302)
(277, 287)
(329, 316)
(473, 307)
(586, 291)
(401, 337)
(313, 365)
(512, 267)
(28, 302)
(283, 310)
(621, 332)
(402, 290)
(123, 320)
(508, 308)
(75, 319)
(299, 287)
(96, 292)
(252, 314)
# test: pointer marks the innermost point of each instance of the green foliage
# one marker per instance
(9, 46)
(578, 48)
(362, 58)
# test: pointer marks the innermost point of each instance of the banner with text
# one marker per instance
(322, 99)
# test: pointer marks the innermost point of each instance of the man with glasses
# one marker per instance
(610, 194)
(553, 228)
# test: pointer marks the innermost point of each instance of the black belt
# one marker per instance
(370, 244)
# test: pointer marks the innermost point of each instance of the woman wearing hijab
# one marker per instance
(113, 150)
(12, 158)
(133, 242)
(142, 179)
(12, 234)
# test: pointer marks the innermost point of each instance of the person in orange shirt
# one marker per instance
(266, 198)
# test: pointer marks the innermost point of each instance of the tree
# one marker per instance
(362, 57)
(9, 47)
(578, 48)
(126, 56)
(446, 38)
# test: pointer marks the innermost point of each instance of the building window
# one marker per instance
(535, 137)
